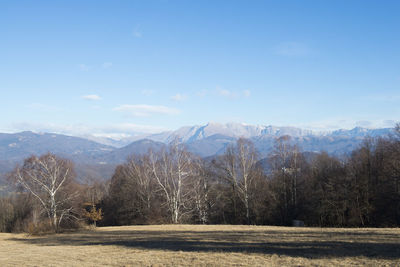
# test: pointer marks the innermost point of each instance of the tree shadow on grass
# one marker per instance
(307, 244)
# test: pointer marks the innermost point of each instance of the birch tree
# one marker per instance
(173, 170)
(239, 168)
(139, 170)
(202, 200)
(48, 179)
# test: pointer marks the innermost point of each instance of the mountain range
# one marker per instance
(98, 158)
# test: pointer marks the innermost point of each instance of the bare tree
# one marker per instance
(240, 170)
(48, 179)
(173, 170)
(132, 193)
(281, 154)
(94, 191)
(139, 169)
(201, 192)
(286, 161)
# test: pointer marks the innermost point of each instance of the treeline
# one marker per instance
(175, 186)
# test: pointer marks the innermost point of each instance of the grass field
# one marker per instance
(198, 245)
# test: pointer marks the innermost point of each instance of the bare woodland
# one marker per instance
(238, 187)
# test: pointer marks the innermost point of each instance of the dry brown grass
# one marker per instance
(198, 245)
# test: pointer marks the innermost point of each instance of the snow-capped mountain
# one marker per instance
(361, 132)
(190, 134)
(99, 158)
(212, 138)
(18, 145)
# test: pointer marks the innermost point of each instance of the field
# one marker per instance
(198, 245)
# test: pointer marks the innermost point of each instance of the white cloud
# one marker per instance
(179, 97)
(91, 97)
(364, 123)
(147, 92)
(292, 49)
(389, 123)
(43, 107)
(246, 93)
(202, 93)
(227, 93)
(344, 123)
(137, 32)
(146, 110)
(131, 127)
(112, 130)
(233, 94)
(391, 97)
(106, 65)
(84, 67)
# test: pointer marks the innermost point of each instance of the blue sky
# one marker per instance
(117, 67)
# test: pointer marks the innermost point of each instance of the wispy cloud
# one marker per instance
(43, 107)
(292, 49)
(179, 97)
(233, 94)
(83, 67)
(106, 65)
(390, 123)
(202, 93)
(391, 97)
(137, 32)
(130, 128)
(91, 97)
(345, 123)
(117, 131)
(147, 92)
(146, 110)
(246, 93)
(227, 93)
(363, 123)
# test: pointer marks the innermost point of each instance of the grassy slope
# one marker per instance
(182, 245)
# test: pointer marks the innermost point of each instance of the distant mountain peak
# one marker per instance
(204, 140)
(231, 129)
